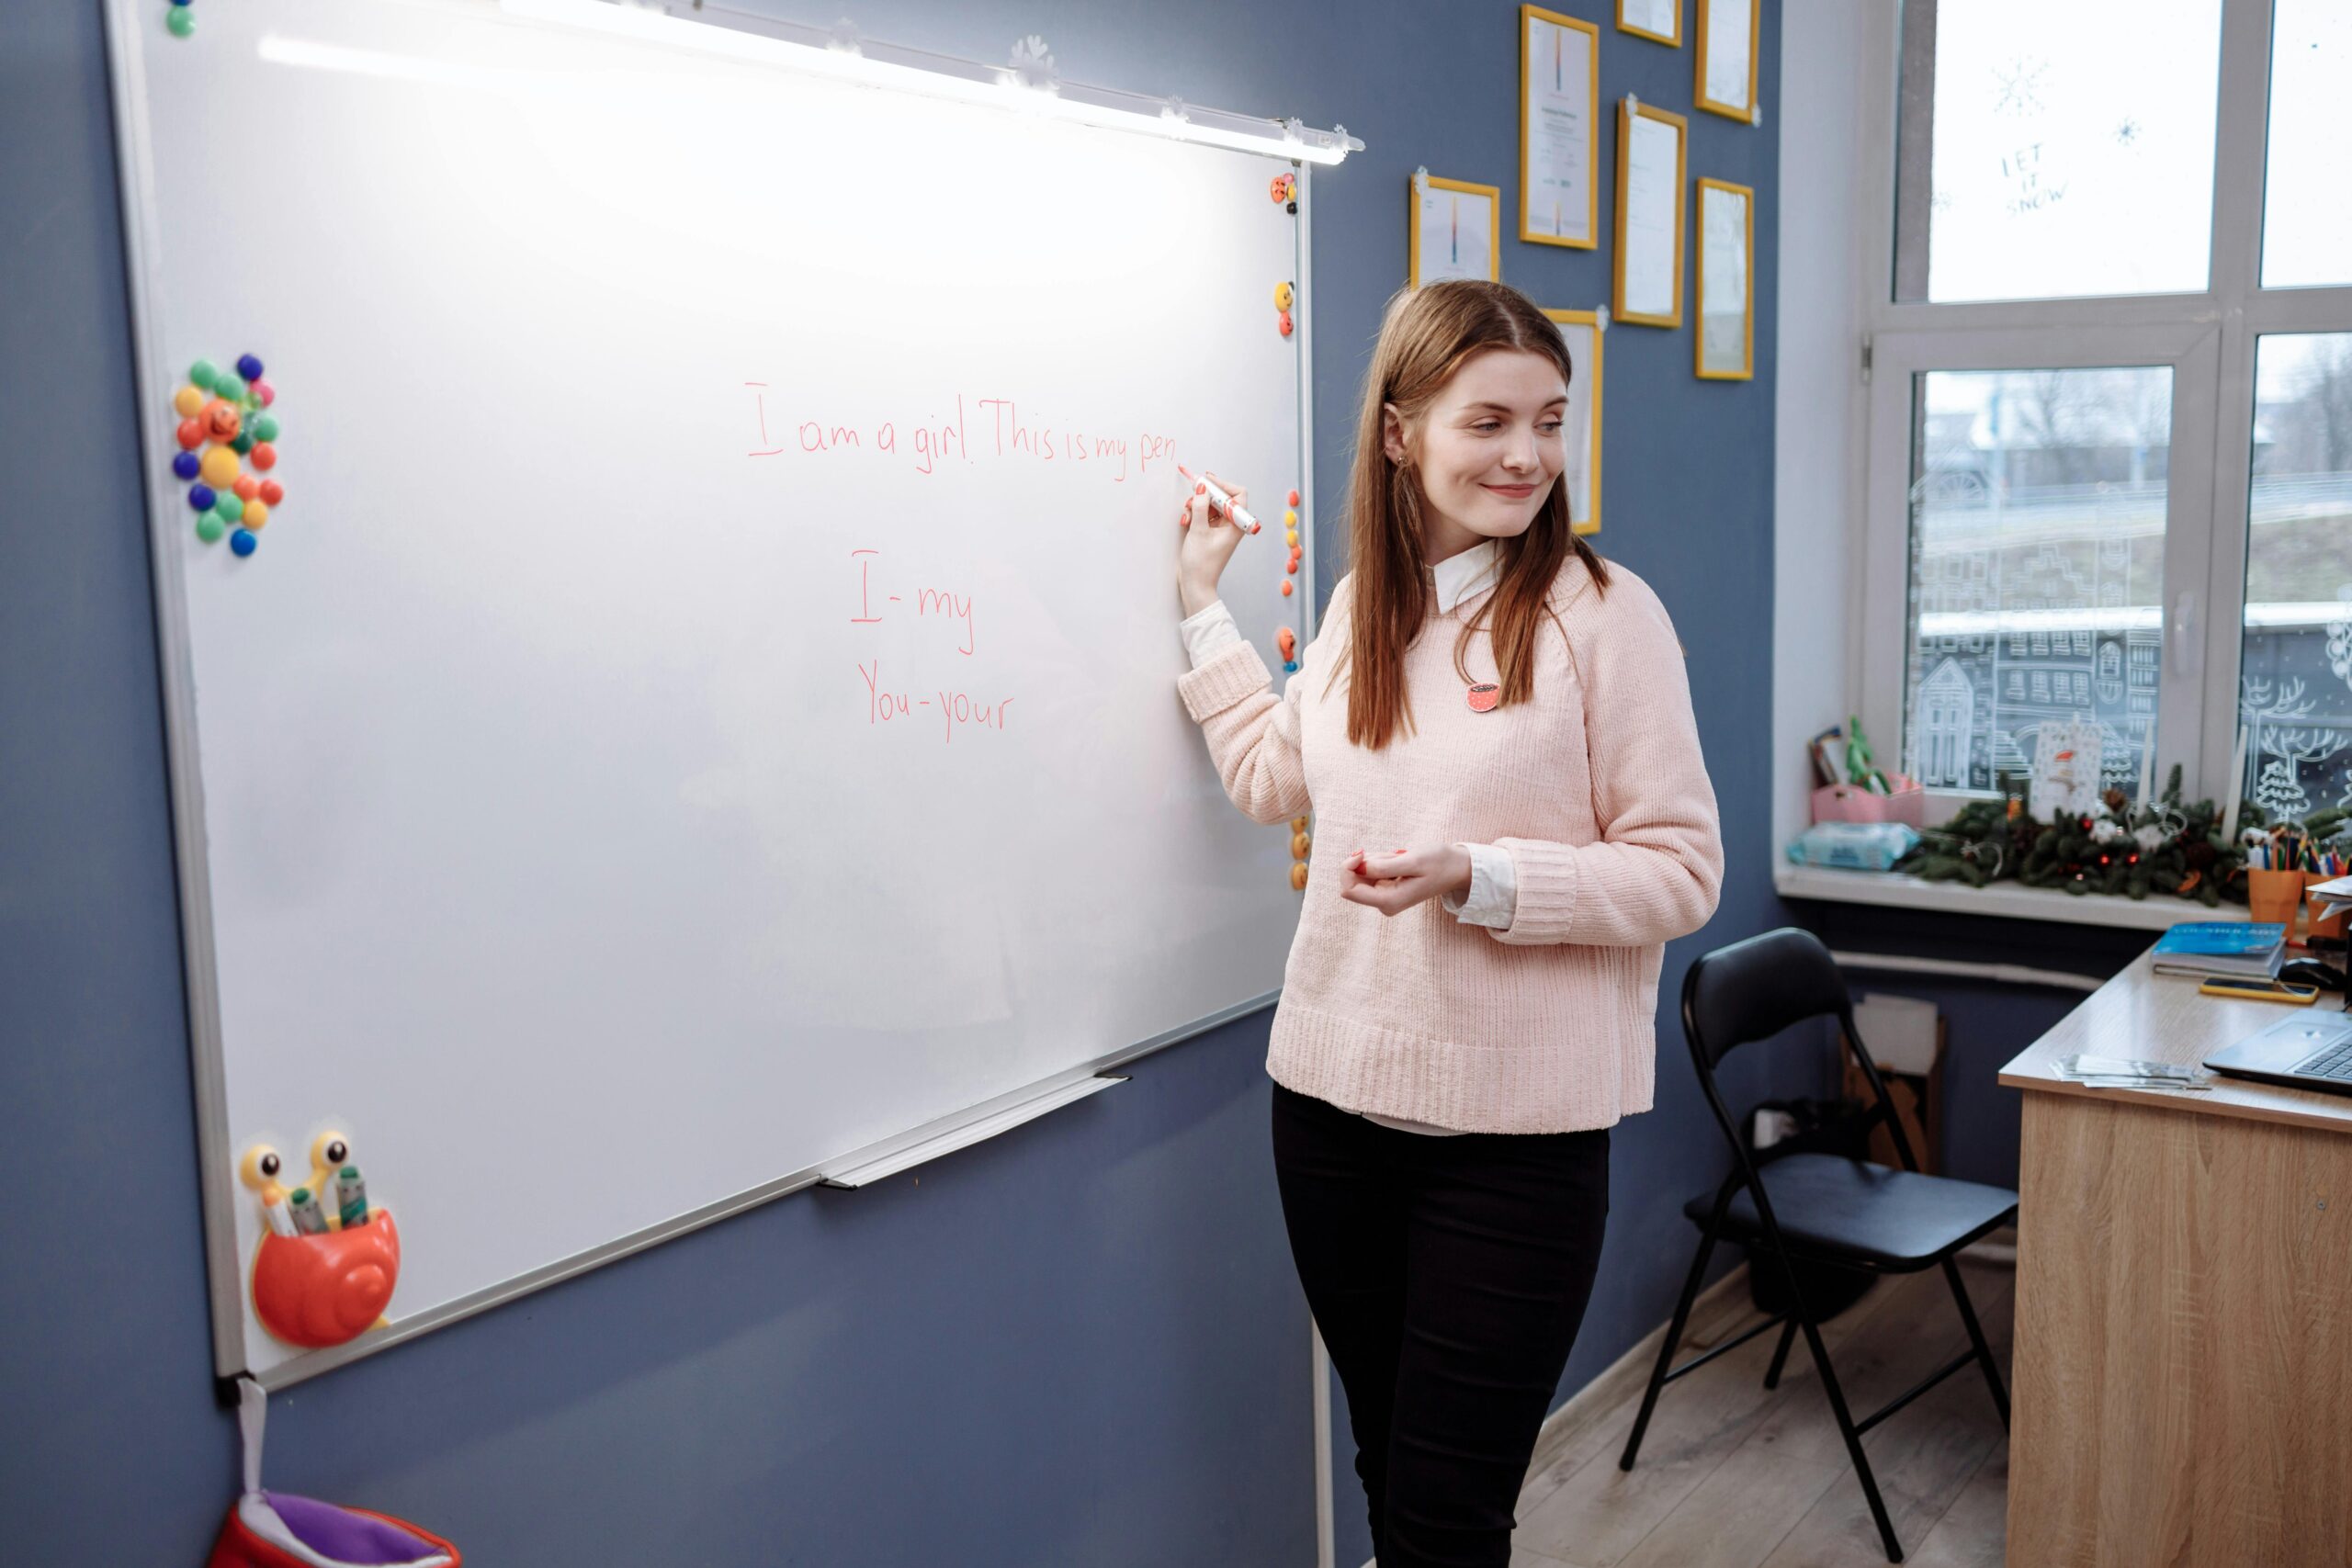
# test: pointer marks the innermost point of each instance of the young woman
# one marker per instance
(1511, 817)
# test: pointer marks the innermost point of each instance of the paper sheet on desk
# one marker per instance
(2127, 1072)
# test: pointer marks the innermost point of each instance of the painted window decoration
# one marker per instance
(2295, 664)
(2037, 571)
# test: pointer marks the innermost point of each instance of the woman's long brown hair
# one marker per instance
(1427, 336)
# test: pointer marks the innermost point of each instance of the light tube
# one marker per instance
(797, 47)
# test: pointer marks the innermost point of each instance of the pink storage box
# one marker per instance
(1852, 803)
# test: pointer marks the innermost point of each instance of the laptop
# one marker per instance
(2309, 1051)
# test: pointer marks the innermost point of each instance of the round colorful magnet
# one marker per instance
(256, 513)
(183, 465)
(1285, 587)
(221, 421)
(1298, 876)
(249, 367)
(265, 456)
(1282, 296)
(191, 433)
(265, 427)
(272, 492)
(229, 507)
(204, 373)
(1292, 499)
(210, 528)
(1290, 666)
(1299, 844)
(248, 487)
(200, 497)
(186, 400)
(243, 542)
(265, 391)
(220, 468)
(1282, 323)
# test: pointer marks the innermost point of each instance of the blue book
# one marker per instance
(2222, 947)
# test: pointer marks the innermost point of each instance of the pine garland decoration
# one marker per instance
(2165, 847)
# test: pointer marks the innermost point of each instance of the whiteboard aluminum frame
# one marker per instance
(215, 1180)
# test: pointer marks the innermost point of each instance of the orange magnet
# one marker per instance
(221, 420)
(191, 434)
(1298, 876)
(1281, 322)
(264, 455)
(247, 488)
(1292, 499)
(1285, 587)
(1287, 641)
(1282, 188)
(1299, 844)
(1298, 824)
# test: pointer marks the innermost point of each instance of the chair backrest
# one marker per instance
(1755, 988)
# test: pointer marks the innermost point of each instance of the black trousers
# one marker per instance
(1448, 1277)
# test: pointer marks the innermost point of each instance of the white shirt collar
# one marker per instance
(1459, 576)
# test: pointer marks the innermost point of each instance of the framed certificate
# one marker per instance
(1651, 145)
(1456, 231)
(1726, 340)
(1584, 331)
(1727, 67)
(1657, 20)
(1559, 85)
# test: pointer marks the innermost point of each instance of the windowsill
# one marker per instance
(2007, 900)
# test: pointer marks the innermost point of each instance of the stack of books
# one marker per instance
(2234, 950)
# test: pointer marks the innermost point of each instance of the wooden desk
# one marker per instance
(2184, 1310)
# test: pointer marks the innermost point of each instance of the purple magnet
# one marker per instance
(186, 466)
(248, 365)
(200, 497)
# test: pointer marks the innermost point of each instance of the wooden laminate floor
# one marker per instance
(1732, 1475)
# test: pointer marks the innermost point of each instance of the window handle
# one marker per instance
(2187, 651)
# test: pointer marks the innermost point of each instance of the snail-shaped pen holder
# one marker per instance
(317, 1291)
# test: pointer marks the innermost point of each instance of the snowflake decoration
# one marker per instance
(2128, 133)
(2018, 82)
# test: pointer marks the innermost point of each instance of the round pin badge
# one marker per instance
(1484, 696)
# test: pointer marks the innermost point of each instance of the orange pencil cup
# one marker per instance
(2273, 896)
(2334, 924)
(321, 1290)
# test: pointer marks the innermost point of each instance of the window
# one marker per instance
(2060, 149)
(2108, 442)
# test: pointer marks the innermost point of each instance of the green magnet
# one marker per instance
(265, 427)
(182, 21)
(242, 443)
(229, 507)
(210, 528)
(204, 373)
(230, 385)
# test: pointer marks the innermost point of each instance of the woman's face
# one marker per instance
(1489, 447)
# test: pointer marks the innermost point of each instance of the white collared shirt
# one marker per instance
(1493, 898)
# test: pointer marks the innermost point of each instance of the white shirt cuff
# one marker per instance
(1208, 632)
(1493, 898)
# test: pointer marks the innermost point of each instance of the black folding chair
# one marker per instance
(1793, 1200)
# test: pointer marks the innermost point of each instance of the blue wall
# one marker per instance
(1078, 1344)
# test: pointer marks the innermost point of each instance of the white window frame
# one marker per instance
(2209, 339)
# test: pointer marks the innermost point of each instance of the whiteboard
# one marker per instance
(705, 703)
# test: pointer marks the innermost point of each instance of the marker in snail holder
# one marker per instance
(1224, 502)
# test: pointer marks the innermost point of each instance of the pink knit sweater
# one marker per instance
(1598, 791)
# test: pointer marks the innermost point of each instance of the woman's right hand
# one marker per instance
(1208, 541)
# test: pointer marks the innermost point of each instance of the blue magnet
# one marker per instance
(1290, 666)
(186, 466)
(249, 367)
(243, 542)
(200, 497)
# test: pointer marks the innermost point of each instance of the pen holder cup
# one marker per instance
(2272, 895)
(2334, 924)
(317, 1291)
(1852, 803)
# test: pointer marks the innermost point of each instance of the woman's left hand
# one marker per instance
(1393, 881)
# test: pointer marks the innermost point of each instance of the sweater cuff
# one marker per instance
(1235, 673)
(1548, 875)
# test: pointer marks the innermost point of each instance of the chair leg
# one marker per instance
(1976, 1338)
(1780, 1353)
(1665, 1352)
(1845, 1416)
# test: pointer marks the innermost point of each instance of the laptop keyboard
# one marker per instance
(2332, 1062)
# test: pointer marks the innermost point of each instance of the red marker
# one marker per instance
(1241, 518)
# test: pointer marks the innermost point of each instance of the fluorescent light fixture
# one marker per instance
(796, 46)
